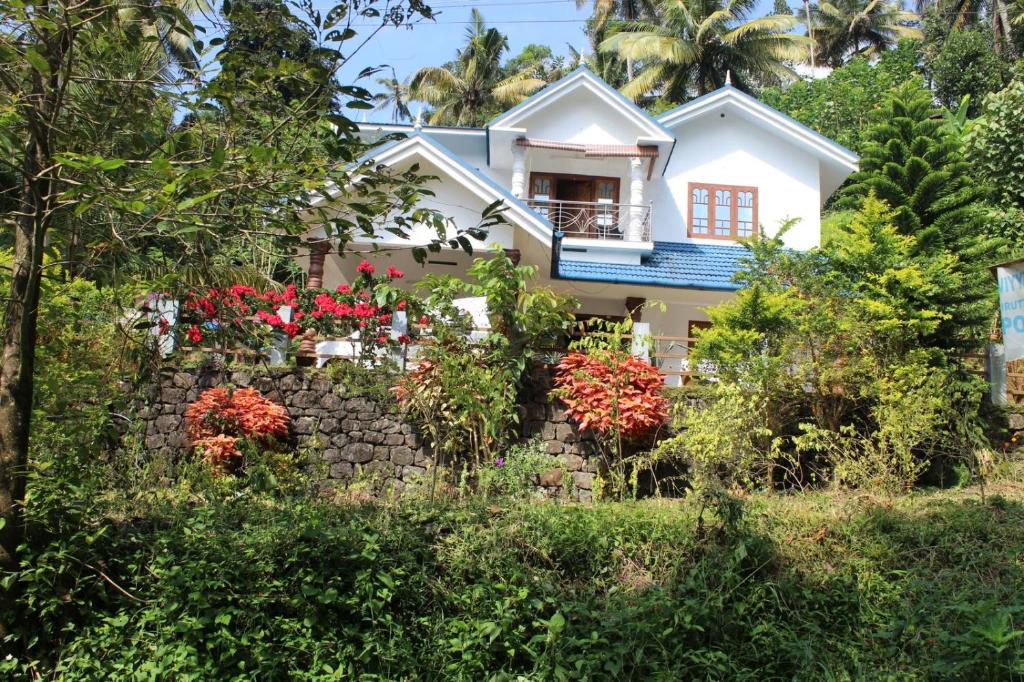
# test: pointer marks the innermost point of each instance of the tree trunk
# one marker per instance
(18, 353)
(18, 350)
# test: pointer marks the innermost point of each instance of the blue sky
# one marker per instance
(547, 22)
(555, 23)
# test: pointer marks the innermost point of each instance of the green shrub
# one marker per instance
(191, 582)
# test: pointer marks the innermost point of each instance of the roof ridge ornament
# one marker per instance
(417, 124)
(728, 76)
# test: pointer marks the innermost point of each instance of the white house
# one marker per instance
(614, 206)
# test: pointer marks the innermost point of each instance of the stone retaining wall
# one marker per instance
(356, 435)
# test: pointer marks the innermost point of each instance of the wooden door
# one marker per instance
(575, 218)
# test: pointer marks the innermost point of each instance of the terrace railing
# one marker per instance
(596, 220)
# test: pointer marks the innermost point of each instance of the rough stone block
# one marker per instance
(377, 467)
(241, 379)
(402, 455)
(565, 433)
(549, 432)
(304, 425)
(303, 399)
(183, 380)
(553, 447)
(394, 439)
(172, 396)
(411, 472)
(320, 385)
(583, 480)
(358, 453)
(1016, 421)
(381, 453)
(332, 402)
(341, 470)
(374, 437)
(573, 462)
(552, 478)
(167, 423)
(331, 455)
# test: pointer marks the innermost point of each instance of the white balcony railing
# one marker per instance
(596, 220)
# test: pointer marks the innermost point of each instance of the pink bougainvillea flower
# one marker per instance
(344, 289)
(400, 306)
(194, 335)
(366, 267)
(395, 273)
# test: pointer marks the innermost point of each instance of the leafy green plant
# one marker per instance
(843, 342)
(464, 390)
(514, 472)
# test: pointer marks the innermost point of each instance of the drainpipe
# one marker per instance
(556, 252)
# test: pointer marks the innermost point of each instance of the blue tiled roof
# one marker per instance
(671, 264)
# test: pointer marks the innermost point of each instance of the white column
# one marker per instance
(995, 368)
(280, 342)
(641, 346)
(518, 170)
(635, 233)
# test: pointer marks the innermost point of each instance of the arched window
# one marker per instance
(722, 211)
(698, 210)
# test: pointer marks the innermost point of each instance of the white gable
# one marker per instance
(460, 192)
(835, 161)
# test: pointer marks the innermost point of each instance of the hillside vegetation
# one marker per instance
(203, 580)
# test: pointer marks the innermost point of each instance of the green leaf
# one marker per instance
(37, 61)
(195, 201)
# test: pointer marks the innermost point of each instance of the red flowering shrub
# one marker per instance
(242, 315)
(219, 419)
(612, 392)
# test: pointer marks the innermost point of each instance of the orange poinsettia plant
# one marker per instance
(617, 396)
(612, 393)
(220, 419)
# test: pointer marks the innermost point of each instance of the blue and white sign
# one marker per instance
(1011, 308)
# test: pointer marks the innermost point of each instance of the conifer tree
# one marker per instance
(914, 163)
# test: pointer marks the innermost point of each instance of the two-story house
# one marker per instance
(614, 206)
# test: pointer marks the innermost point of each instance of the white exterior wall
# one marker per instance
(581, 117)
(454, 201)
(731, 151)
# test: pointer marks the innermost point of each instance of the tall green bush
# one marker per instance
(840, 342)
(915, 164)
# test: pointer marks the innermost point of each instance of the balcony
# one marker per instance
(597, 220)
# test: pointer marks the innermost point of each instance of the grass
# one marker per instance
(202, 581)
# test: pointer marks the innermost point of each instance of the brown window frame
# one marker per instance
(734, 222)
(693, 325)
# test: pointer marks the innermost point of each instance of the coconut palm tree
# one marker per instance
(696, 44)
(171, 40)
(624, 10)
(1002, 15)
(396, 96)
(846, 28)
(472, 88)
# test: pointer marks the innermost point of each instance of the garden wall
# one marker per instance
(358, 435)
